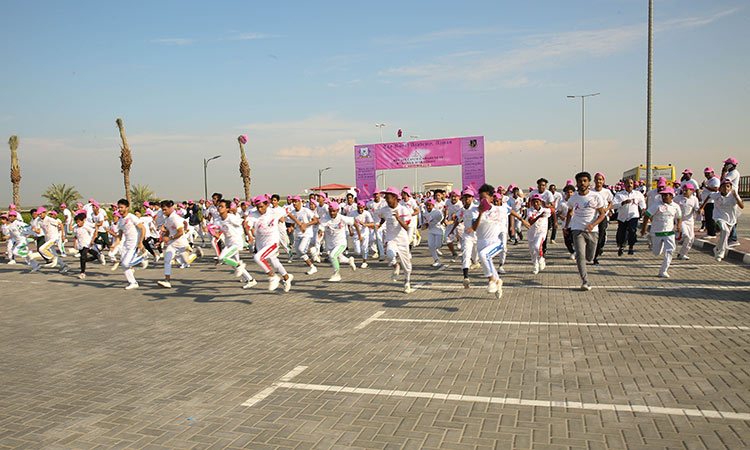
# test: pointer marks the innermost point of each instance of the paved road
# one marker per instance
(637, 362)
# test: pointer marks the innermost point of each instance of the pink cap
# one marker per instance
(392, 190)
(500, 188)
(511, 186)
(334, 206)
(79, 204)
(667, 190)
(708, 169)
(202, 199)
(148, 213)
(180, 205)
(429, 201)
(468, 192)
(455, 192)
(322, 194)
(243, 138)
(81, 211)
(41, 209)
(53, 213)
(485, 205)
(687, 185)
(687, 171)
(731, 161)
(536, 197)
(12, 213)
(361, 203)
(406, 190)
(296, 198)
(146, 204)
(661, 181)
(246, 203)
(117, 214)
(12, 206)
(376, 191)
(599, 174)
(233, 205)
(190, 202)
(4, 216)
(726, 181)
(497, 195)
(260, 199)
(570, 183)
(95, 204)
(63, 205)
(91, 200)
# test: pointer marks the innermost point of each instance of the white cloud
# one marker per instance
(339, 149)
(434, 36)
(173, 41)
(535, 53)
(251, 36)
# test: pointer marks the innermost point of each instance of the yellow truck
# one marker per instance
(639, 173)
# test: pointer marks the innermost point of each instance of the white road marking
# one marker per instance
(418, 285)
(443, 267)
(270, 390)
(578, 286)
(570, 324)
(369, 320)
(521, 401)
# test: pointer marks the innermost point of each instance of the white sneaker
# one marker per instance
(238, 270)
(102, 259)
(52, 263)
(436, 264)
(199, 251)
(352, 264)
(663, 275)
(572, 256)
(316, 259)
(408, 289)
(11, 262)
(585, 287)
(552, 241)
(683, 257)
(164, 283)
(312, 270)
(491, 287)
(250, 284)
(396, 272)
(535, 270)
(439, 252)
(474, 266)
(500, 270)
(131, 286)
(65, 269)
(364, 265)
(144, 263)
(499, 292)
(375, 255)
(335, 277)
(718, 259)
(114, 267)
(733, 244)
(288, 283)
(542, 264)
(273, 282)
(156, 259)
(81, 276)
(467, 283)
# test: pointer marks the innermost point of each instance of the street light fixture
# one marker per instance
(205, 182)
(320, 178)
(583, 120)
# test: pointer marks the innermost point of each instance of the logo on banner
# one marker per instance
(473, 143)
(364, 152)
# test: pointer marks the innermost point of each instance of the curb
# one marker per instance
(733, 255)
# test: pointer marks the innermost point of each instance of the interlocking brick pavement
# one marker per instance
(86, 364)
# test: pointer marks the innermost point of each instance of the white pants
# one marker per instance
(392, 250)
(434, 242)
(688, 236)
(487, 251)
(49, 250)
(536, 246)
(173, 251)
(268, 257)
(231, 257)
(376, 241)
(721, 242)
(129, 258)
(665, 244)
(468, 252)
(504, 251)
(412, 230)
(301, 246)
(362, 248)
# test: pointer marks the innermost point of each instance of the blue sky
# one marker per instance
(307, 81)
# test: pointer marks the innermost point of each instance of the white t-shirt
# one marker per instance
(725, 208)
(630, 210)
(304, 215)
(365, 217)
(129, 227)
(653, 196)
(663, 217)
(547, 196)
(712, 182)
(434, 221)
(266, 227)
(689, 206)
(84, 235)
(50, 230)
(394, 232)
(491, 223)
(68, 216)
(467, 218)
(452, 209)
(14, 230)
(174, 224)
(540, 226)
(584, 209)
(605, 194)
(232, 227)
(734, 177)
(334, 229)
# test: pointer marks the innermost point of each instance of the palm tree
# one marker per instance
(126, 159)
(244, 169)
(141, 193)
(15, 169)
(57, 194)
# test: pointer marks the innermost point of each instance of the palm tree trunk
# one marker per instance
(244, 170)
(15, 169)
(126, 159)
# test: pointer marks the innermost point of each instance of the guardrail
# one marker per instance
(744, 186)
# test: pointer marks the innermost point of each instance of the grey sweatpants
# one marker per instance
(585, 243)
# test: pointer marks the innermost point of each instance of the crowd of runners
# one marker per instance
(474, 227)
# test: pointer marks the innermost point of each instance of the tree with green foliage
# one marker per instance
(142, 193)
(57, 194)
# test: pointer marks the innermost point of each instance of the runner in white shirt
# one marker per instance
(283, 237)
(264, 225)
(506, 215)
(377, 249)
(607, 196)
(334, 228)
(51, 229)
(408, 201)
(17, 230)
(690, 206)
(321, 212)
(176, 242)
(67, 219)
(629, 204)
(562, 217)
(232, 227)
(466, 216)
(130, 234)
(84, 242)
(709, 186)
(433, 223)
(452, 208)
(666, 218)
(726, 202)
(366, 223)
(396, 219)
(653, 195)
(587, 210)
(729, 172)
(304, 220)
(537, 223)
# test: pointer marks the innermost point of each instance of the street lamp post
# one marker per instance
(380, 127)
(320, 178)
(583, 123)
(205, 182)
(649, 175)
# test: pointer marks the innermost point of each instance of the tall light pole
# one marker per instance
(583, 124)
(320, 178)
(648, 92)
(205, 182)
(414, 189)
(380, 127)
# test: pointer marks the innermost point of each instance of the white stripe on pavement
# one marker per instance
(270, 390)
(578, 286)
(521, 402)
(369, 320)
(570, 324)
